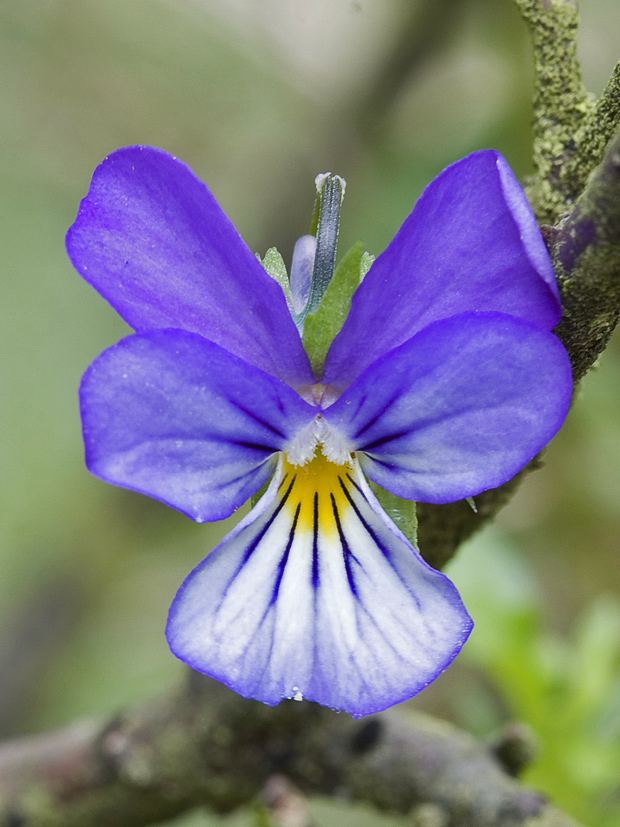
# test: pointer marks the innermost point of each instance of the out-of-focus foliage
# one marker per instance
(258, 98)
(566, 687)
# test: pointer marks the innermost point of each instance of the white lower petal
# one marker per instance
(317, 595)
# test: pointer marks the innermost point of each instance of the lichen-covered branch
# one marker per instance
(571, 128)
(585, 250)
(561, 105)
(203, 745)
(592, 136)
(571, 133)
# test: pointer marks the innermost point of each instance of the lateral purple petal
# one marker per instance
(174, 416)
(459, 408)
(470, 244)
(151, 238)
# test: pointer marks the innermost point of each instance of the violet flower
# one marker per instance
(443, 382)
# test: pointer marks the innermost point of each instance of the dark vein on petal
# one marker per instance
(383, 441)
(268, 524)
(353, 654)
(383, 635)
(362, 519)
(315, 542)
(347, 553)
(381, 413)
(257, 419)
(272, 604)
(255, 446)
(253, 545)
(352, 481)
(245, 474)
(384, 548)
(361, 606)
(284, 560)
(391, 466)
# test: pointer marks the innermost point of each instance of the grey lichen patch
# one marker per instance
(586, 259)
(571, 128)
(593, 135)
(561, 105)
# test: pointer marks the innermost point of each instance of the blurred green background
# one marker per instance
(258, 97)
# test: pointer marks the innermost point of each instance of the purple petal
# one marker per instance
(471, 243)
(150, 237)
(317, 595)
(174, 416)
(459, 408)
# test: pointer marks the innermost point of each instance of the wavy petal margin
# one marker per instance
(471, 244)
(317, 595)
(174, 416)
(152, 239)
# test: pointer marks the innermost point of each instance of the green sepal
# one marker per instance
(403, 513)
(365, 264)
(322, 327)
(276, 268)
(256, 497)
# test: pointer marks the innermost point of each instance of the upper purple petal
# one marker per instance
(471, 243)
(459, 408)
(174, 416)
(151, 238)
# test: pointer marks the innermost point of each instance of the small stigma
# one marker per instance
(322, 177)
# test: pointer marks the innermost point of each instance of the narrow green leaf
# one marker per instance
(276, 268)
(321, 327)
(402, 512)
(365, 264)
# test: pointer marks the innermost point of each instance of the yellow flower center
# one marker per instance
(317, 493)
